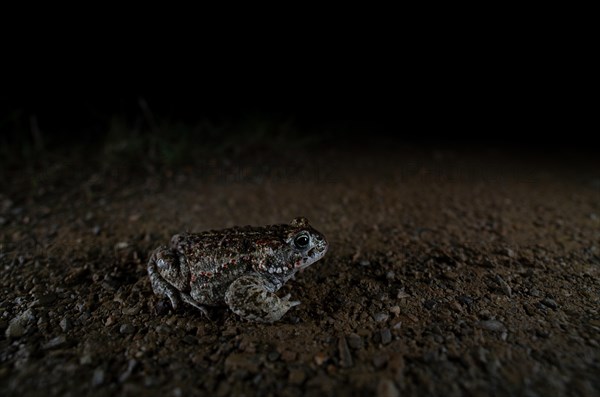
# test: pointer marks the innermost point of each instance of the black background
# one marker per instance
(459, 90)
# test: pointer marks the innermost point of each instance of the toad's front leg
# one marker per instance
(251, 297)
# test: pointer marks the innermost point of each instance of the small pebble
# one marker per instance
(65, 324)
(465, 300)
(297, 376)
(320, 358)
(345, 355)
(85, 359)
(55, 343)
(386, 336)
(504, 286)
(126, 329)
(163, 329)
(492, 325)
(535, 292)
(381, 316)
(133, 310)
(14, 330)
(429, 304)
(108, 286)
(98, 377)
(355, 341)
(529, 309)
(387, 388)
(395, 310)
(485, 314)
(273, 356)
(19, 325)
(454, 305)
(450, 275)
(130, 367)
(549, 302)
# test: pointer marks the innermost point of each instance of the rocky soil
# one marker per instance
(449, 273)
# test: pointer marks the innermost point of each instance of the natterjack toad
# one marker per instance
(242, 267)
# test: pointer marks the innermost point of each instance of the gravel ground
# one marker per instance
(449, 273)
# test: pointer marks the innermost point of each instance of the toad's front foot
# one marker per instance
(250, 298)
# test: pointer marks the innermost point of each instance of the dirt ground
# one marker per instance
(450, 273)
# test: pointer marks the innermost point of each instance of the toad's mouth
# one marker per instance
(317, 253)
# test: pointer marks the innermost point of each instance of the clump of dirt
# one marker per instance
(448, 274)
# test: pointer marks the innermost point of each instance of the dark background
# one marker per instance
(470, 77)
(460, 90)
(460, 114)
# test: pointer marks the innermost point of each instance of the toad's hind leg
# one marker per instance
(251, 298)
(188, 299)
(164, 258)
(159, 285)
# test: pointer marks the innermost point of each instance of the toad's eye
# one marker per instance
(301, 241)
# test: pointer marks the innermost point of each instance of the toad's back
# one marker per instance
(222, 245)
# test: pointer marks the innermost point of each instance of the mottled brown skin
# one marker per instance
(241, 267)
